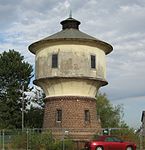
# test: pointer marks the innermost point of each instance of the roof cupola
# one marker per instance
(70, 23)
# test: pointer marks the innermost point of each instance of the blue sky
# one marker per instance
(118, 22)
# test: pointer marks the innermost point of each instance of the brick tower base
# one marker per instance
(73, 123)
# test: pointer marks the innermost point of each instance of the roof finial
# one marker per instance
(70, 13)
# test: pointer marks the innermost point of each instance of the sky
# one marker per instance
(118, 22)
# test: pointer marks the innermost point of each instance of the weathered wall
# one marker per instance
(73, 60)
(74, 63)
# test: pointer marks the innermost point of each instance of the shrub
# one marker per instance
(39, 141)
(19, 141)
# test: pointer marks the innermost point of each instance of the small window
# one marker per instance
(87, 115)
(55, 61)
(93, 61)
(59, 115)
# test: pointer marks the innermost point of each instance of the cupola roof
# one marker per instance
(70, 32)
(70, 23)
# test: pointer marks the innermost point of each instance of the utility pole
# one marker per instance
(3, 139)
(22, 107)
(141, 140)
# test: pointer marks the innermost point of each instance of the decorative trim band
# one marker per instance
(101, 81)
(70, 98)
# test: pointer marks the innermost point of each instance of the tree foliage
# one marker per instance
(36, 109)
(14, 73)
(34, 117)
(110, 116)
(37, 97)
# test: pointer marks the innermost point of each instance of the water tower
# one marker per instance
(70, 68)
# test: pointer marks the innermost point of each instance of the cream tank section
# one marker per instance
(73, 61)
(74, 75)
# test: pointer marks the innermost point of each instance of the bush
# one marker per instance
(39, 141)
(42, 141)
(19, 141)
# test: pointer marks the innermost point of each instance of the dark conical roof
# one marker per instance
(70, 29)
(70, 32)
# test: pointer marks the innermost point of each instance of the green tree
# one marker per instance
(15, 73)
(37, 97)
(110, 116)
(36, 109)
(34, 117)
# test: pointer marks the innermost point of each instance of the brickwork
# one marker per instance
(73, 116)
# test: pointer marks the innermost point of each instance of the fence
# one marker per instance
(40, 139)
(34, 139)
(16, 139)
(7, 138)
